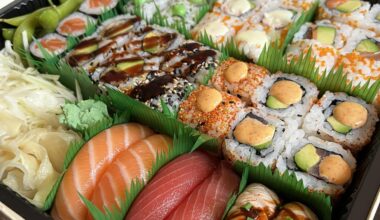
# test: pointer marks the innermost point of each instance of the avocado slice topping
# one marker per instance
(337, 126)
(377, 17)
(128, 64)
(179, 10)
(274, 103)
(367, 46)
(349, 6)
(326, 35)
(307, 157)
(86, 50)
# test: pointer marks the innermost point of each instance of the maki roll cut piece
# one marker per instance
(75, 24)
(255, 202)
(295, 211)
(53, 44)
(286, 96)
(162, 88)
(351, 12)
(255, 138)
(120, 27)
(210, 111)
(239, 78)
(191, 60)
(97, 7)
(219, 27)
(346, 120)
(238, 8)
(372, 21)
(321, 165)
(299, 5)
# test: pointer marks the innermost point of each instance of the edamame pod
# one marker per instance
(50, 18)
(16, 21)
(8, 33)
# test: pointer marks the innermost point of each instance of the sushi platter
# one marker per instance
(190, 109)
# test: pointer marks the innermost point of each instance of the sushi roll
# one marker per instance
(295, 211)
(120, 27)
(148, 8)
(346, 120)
(97, 7)
(242, 9)
(372, 21)
(255, 202)
(286, 96)
(298, 5)
(210, 111)
(255, 138)
(218, 26)
(54, 44)
(75, 24)
(351, 12)
(191, 60)
(321, 165)
(239, 78)
(164, 87)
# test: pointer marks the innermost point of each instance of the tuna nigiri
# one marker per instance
(209, 200)
(171, 185)
(89, 165)
(135, 162)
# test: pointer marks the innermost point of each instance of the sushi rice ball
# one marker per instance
(346, 120)
(321, 165)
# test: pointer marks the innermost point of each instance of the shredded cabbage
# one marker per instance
(32, 141)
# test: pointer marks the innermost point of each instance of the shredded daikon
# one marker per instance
(32, 141)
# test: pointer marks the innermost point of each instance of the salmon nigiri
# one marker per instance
(135, 162)
(171, 185)
(89, 165)
(209, 200)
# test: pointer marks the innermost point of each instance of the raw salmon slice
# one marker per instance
(52, 44)
(135, 162)
(209, 199)
(73, 25)
(89, 165)
(171, 185)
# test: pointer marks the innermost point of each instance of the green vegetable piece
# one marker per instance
(247, 206)
(155, 48)
(179, 10)
(86, 50)
(84, 114)
(349, 6)
(367, 46)
(8, 33)
(307, 157)
(288, 218)
(139, 2)
(274, 103)
(16, 21)
(378, 17)
(337, 126)
(198, 2)
(50, 18)
(263, 146)
(326, 35)
(129, 64)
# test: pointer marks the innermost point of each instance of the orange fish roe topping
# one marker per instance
(215, 123)
(245, 88)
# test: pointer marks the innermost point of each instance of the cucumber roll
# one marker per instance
(255, 138)
(255, 202)
(346, 120)
(239, 78)
(286, 96)
(351, 12)
(210, 111)
(295, 211)
(321, 165)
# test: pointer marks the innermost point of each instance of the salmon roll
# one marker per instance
(286, 96)
(75, 24)
(191, 61)
(163, 88)
(344, 119)
(350, 12)
(97, 7)
(295, 211)
(210, 111)
(218, 26)
(54, 44)
(239, 78)
(322, 166)
(256, 200)
(255, 138)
